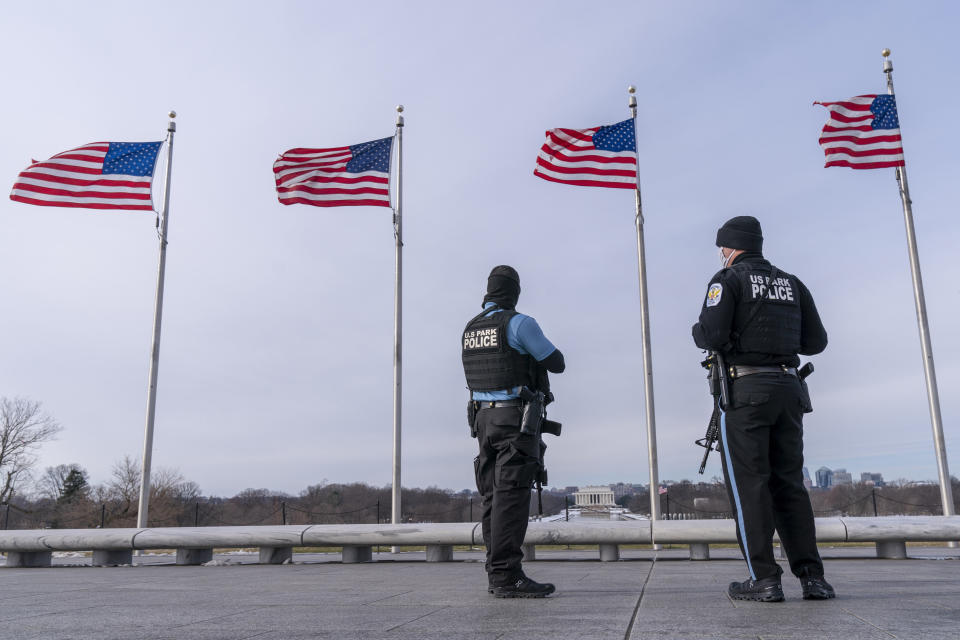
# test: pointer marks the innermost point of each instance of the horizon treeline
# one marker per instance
(63, 498)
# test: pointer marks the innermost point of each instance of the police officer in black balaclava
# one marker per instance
(503, 352)
(760, 318)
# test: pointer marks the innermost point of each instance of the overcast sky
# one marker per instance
(276, 356)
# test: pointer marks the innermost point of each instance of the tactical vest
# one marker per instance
(774, 328)
(489, 362)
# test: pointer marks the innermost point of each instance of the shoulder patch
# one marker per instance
(714, 293)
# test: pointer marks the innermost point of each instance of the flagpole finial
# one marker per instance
(632, 90)
(172, 114)
(399, 117)
(885, 53)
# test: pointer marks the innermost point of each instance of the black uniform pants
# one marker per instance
(505, 469)
(762, 447)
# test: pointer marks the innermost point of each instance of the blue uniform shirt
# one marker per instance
(524, 335)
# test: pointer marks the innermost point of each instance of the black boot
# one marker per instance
(523, 587)
(764, 590)
(816, 588)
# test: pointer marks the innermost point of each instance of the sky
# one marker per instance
(276, 359)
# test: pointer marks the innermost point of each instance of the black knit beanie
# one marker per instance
(741, 232)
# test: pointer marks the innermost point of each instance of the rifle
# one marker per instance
(535, 421)
(720, 390)
(542, 381)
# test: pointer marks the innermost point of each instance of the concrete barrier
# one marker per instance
(33, 548)
(403, 535)
(599, 532)
(891, 533)
(38, 540)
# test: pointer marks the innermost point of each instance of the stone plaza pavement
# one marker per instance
(646, 595)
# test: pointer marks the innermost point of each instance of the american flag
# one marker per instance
(100, 175)
(596, 157)
(862, 133)
(336, 177)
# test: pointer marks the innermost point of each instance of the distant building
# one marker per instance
(876, 479)
(824, 478)
(807, 482)
(840, 476)
(623, 489)
(595, 496)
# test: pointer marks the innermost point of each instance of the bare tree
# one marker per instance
(124, 484)
(53, 481)
(169, 484)
(23, 428)
(169, 491)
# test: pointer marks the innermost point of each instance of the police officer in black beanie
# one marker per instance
(760, 318)
(502, 352)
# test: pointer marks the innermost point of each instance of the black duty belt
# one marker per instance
(738, 370)
(516, 402)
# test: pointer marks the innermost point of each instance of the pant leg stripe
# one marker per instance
(736, 493)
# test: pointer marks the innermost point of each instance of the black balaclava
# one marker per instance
(503, 287)
(741, 232)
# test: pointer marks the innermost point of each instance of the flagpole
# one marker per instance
(645, 331)
(933, 397)
(396, 516)
(155, 349)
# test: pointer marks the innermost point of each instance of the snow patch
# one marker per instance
(219, 563)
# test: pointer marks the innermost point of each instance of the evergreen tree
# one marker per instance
(74, 485)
